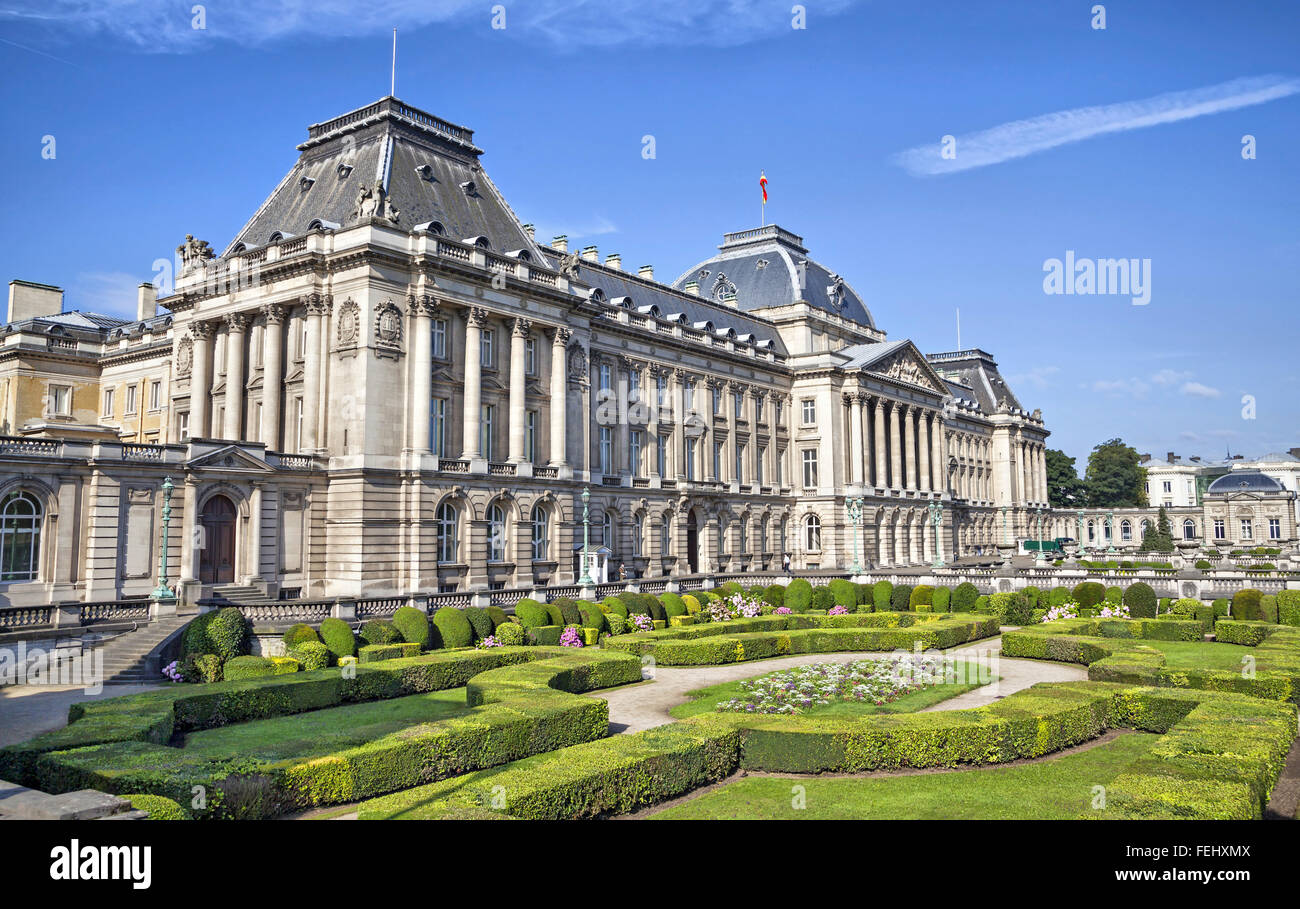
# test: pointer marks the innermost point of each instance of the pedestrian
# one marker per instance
(785, 563)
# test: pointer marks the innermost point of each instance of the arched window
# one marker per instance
(541, 533)
(20, 537)
(496, 534)
(448, 525)
(1126, 529)
(1092, 532)
(607, 530)
(812, 533)
(1189, 529)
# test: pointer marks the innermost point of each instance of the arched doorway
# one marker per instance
(217, 555)
(692, 543)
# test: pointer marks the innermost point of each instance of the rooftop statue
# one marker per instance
(193, 252)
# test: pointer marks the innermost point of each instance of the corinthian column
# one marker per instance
(878, 436)
(855, 437)
(923, 450)
(422, 370)
(895, 449)
(909, 441)
(236, 325)
(200, 380)
(475, 319)
(559, 384)
(272, 375)
(311, 379)
(518, 381)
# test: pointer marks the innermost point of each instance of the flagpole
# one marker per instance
(392, 85)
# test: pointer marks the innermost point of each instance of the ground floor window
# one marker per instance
(1220, 529)
(1274, 528)
(20, 537)
(812, 527)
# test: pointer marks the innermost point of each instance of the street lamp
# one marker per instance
(853, 504)
(1110, 531)
(586, 579)
(1038, 556)
(162, 591)
(936, 518)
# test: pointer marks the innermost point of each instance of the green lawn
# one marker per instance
(706, 700)
(1206, 655)
(323, 731)
(1057, 788)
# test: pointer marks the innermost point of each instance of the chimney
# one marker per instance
(1196, 459)
(561, 243)
(146, 302)
(1294, 452)
(693, 288)
(28, 300)
(647, 272)
(530, 232)
(1143, 458)
(590, 254)
(614, 261)
(1170, 457)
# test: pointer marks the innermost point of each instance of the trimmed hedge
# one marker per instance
(479, 621)
(299, 633)
(900, 597)
(1140, 598)
(922, 595)
(379, 631)
(774, 595)
(510, 635)
(672, 604)
(964, 596)
(413, 625)
(823, 599)
(844, 593)
(311, 655)
(375, 653)
(338, 636)
(1246, 605)
(1089, 593)
(531, 614)
(157, 807)
(247, 667)
(451, 628)
(798, 595)
(942, 599)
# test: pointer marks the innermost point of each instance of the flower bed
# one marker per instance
(793, 691)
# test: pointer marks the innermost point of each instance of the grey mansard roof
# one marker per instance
(768, 267)
(974, 374)
(428, 167)
(1245, 481)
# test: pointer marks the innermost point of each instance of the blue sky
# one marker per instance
(163, 130)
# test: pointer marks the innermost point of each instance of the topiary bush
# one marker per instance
(1058, 596)
(1203, 565)
(672, 604)
(1114, 595)
(942, 599)
(1034, 596)
(480, 621)
(299, 633)
(1140, 599)
(452, 628)
(413, 626)
(337, 635)
(964, 596)
(774, 595)
(1089, 593)
(223, 633)
(201, 667)
(531, 614)
(510, 634)
(312, 655)
(798, 595)
(616, 624)
(157, 807)
(592, 616)
(922, 595)
(615, 606)
(882, 593)
(692, 603)
(822, 598)
(497, 615)
(247, 667)
(1288, 607)
(843, 593)
(1246, 605)
(379, 631)
(1268, 606)
(1013, 608)
(901, 597)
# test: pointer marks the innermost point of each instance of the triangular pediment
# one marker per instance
(228, 457)
(908, 365)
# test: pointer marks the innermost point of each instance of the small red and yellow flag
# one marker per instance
(762, 184)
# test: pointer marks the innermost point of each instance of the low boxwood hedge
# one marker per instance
(375, 653)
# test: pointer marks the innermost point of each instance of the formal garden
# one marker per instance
(859, 699)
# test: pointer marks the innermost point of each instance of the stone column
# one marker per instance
(909, 440)
(272, 375)
(475, 319)
(518, 384)
(236, 326)
(878, 436)
(559, 347)
(855, 437)
(311, 378)
(253, 562)
(940, 457)
(729, 469)
(895, 449)
(1042, 473)
(923, 451)
(200, 380)
(421, 371)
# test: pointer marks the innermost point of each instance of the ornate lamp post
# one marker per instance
(1110, 531)
(586, 579)
(936, 518)
(1006, 535)
(853, 504)
(162, 591)
(1038, 556)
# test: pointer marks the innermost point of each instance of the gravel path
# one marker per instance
(644, 706)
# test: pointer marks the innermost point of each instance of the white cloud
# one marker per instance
(107, 293)
(1025, 137)
(1196, 389)
(1135, 387)
(598, 226)
(1170, 377)
(1036, 377)
(164, 26)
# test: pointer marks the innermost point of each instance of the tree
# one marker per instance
(1161, 538)
(1064, 488)
(1115, 476)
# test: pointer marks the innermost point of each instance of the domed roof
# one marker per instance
(769, 266)
(1244, 481)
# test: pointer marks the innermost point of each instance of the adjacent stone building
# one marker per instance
(385, 384)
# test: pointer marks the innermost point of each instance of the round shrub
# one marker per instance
(693, 606)
(201, 667)
(614, 606)
(798, 595)
(982, 604)
(157, 807)
(247, 667)
(672, 604)
(497, 615)
(337, 635)
(510, 634)
(1221, 607)
(616, 624)
(730, 588)
(822, 598)
(1033, 595)
(299, 634)
(774, 595)
(922, 595)
(1114, 595)
(653, 607)
(452, 627)
(1203, 565)
(312, 655)
(1185, 606)
(1246, 605)
(1059, 596)
(1089, 593)
(1013, 608)
(412, 625)
(843, 592)
(379, 631)
(223, 633)
(1140, 599)
(569, 611)
(963, 597)
(194, 639)
(480, 621)
(942, 599)
(531, 614)
(592, 617)
(901, 597)
(555, 612)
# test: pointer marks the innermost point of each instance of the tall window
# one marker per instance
(440, 338)
(723, 526)
(634, 384)
(634, 451)
(485, 348)
(530, 356)
(690, 395)
(812, 530)
(1125, 530)
(717, 400)
(740, 463)
(485, 430)
(541, 533)
(130, 400)
(1275, 528)
(737, 403)
(61, 400)
(758, 410)
(809, 410)
(109, 394)
(762, 536)
(438, 427)
(155, 395)
(297, 422)
(665, 535)
(1189, 529)
(530, 436)
(661, 455)
(690, 459)
(448, 544)
(183, 425)
(758, 467)
(810, 468)
(638, 535)
(605, 376)
(496, 534)
(661, 390)
(1247, 529)
(717, 460)
(606, 450)
(776, 412)
(1220, 529)
(607, 530)
(20, 537)
(744, 536)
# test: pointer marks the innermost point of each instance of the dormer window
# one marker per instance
(425, 172)
(480, 241)
(344, 170)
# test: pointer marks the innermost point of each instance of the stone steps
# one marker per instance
(127, 658)
(18, 803)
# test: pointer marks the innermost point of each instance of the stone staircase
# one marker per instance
(20, 803)
(237, 595)
(128, 658)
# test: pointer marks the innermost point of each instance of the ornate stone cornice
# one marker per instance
(477, 316)
(522, 328)
(236, 321)
(273, 313)
(201, 331)
(561, 335)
